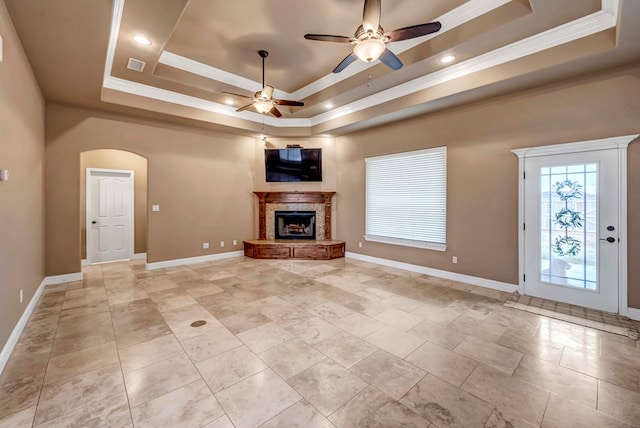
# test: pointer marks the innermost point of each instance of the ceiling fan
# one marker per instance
(370, 40)
(263, 101)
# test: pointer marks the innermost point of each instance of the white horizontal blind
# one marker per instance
(406, 198)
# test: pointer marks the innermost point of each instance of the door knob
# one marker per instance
(94, 222)
(609, 239)
(611, 228)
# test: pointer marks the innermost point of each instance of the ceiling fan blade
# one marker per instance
(274, 111)
(413, 31)
(345, 62)
(237, 95)
(371, 15)
(390, 59)
(288, 103)
(267, 92)
(247, 107)
(329, 38)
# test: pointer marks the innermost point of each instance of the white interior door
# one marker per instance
(109, 215)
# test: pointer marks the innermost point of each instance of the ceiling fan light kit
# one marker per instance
(370, 40)
(369, 50)
(263, 101)
(263, 106)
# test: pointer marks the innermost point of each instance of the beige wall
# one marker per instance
(328, 146)
(22, 197)
(117, 159)
(482, 201)
(202, 180)
(329, 170)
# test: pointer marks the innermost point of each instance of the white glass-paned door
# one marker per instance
(568, 219)
(571, 228)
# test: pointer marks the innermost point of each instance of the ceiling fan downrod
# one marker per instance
(263, 54)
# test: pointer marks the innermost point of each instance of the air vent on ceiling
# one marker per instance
(135, 64)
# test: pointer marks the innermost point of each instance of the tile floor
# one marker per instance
(307, 344)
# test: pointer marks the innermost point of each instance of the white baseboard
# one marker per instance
(474, 280)
(22, 322)
(61, 279)
(139, 256)
(633, 313)
(192, 260)
(136, 256)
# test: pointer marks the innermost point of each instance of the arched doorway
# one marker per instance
(114, 169)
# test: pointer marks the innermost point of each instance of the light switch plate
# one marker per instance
(4, 174)
(155, 207)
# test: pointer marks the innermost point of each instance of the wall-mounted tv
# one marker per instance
(293, 164)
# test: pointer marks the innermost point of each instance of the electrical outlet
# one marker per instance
(360, 244)
(454, 259)
(205, 245)
(235, 242)
(21, 295)
(222, 243)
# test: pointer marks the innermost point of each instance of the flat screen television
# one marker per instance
(293, 164)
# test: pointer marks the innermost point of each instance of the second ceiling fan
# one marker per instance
(370, 40)
(263, 101)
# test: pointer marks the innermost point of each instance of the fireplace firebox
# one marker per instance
(295, 225)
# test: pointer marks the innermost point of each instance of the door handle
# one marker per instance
(609, 239)
(94, 222)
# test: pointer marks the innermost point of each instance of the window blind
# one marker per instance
(406, 198)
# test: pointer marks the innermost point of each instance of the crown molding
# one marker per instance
(450, 20)
(562, 34)
(116, 19)
(146, 91)
(194, 67)
(586, 26)
(621, 142)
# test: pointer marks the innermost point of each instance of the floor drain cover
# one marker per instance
(199, 323)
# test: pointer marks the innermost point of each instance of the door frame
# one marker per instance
(88, 238)
(614, 143)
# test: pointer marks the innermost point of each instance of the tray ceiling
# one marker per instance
(201, 48)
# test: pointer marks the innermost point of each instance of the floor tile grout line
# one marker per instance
(124, 383)
(59, 315)
(538, 327)
(172, 390)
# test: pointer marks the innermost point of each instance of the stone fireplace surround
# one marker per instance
(270, 202)
(320, 218)
(266, 247)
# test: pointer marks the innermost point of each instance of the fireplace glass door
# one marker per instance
(295, 225)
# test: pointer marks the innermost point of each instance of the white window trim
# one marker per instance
(406, 242)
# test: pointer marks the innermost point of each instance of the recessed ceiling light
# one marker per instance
(328, 105)
(229, 102)
(447, 59)
(139, 38)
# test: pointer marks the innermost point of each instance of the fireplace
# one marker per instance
(270, 202)
(295, 224)
(304, 232)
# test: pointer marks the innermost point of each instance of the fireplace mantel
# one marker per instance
(265, 198)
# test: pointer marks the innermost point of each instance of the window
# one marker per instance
(406, 199)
